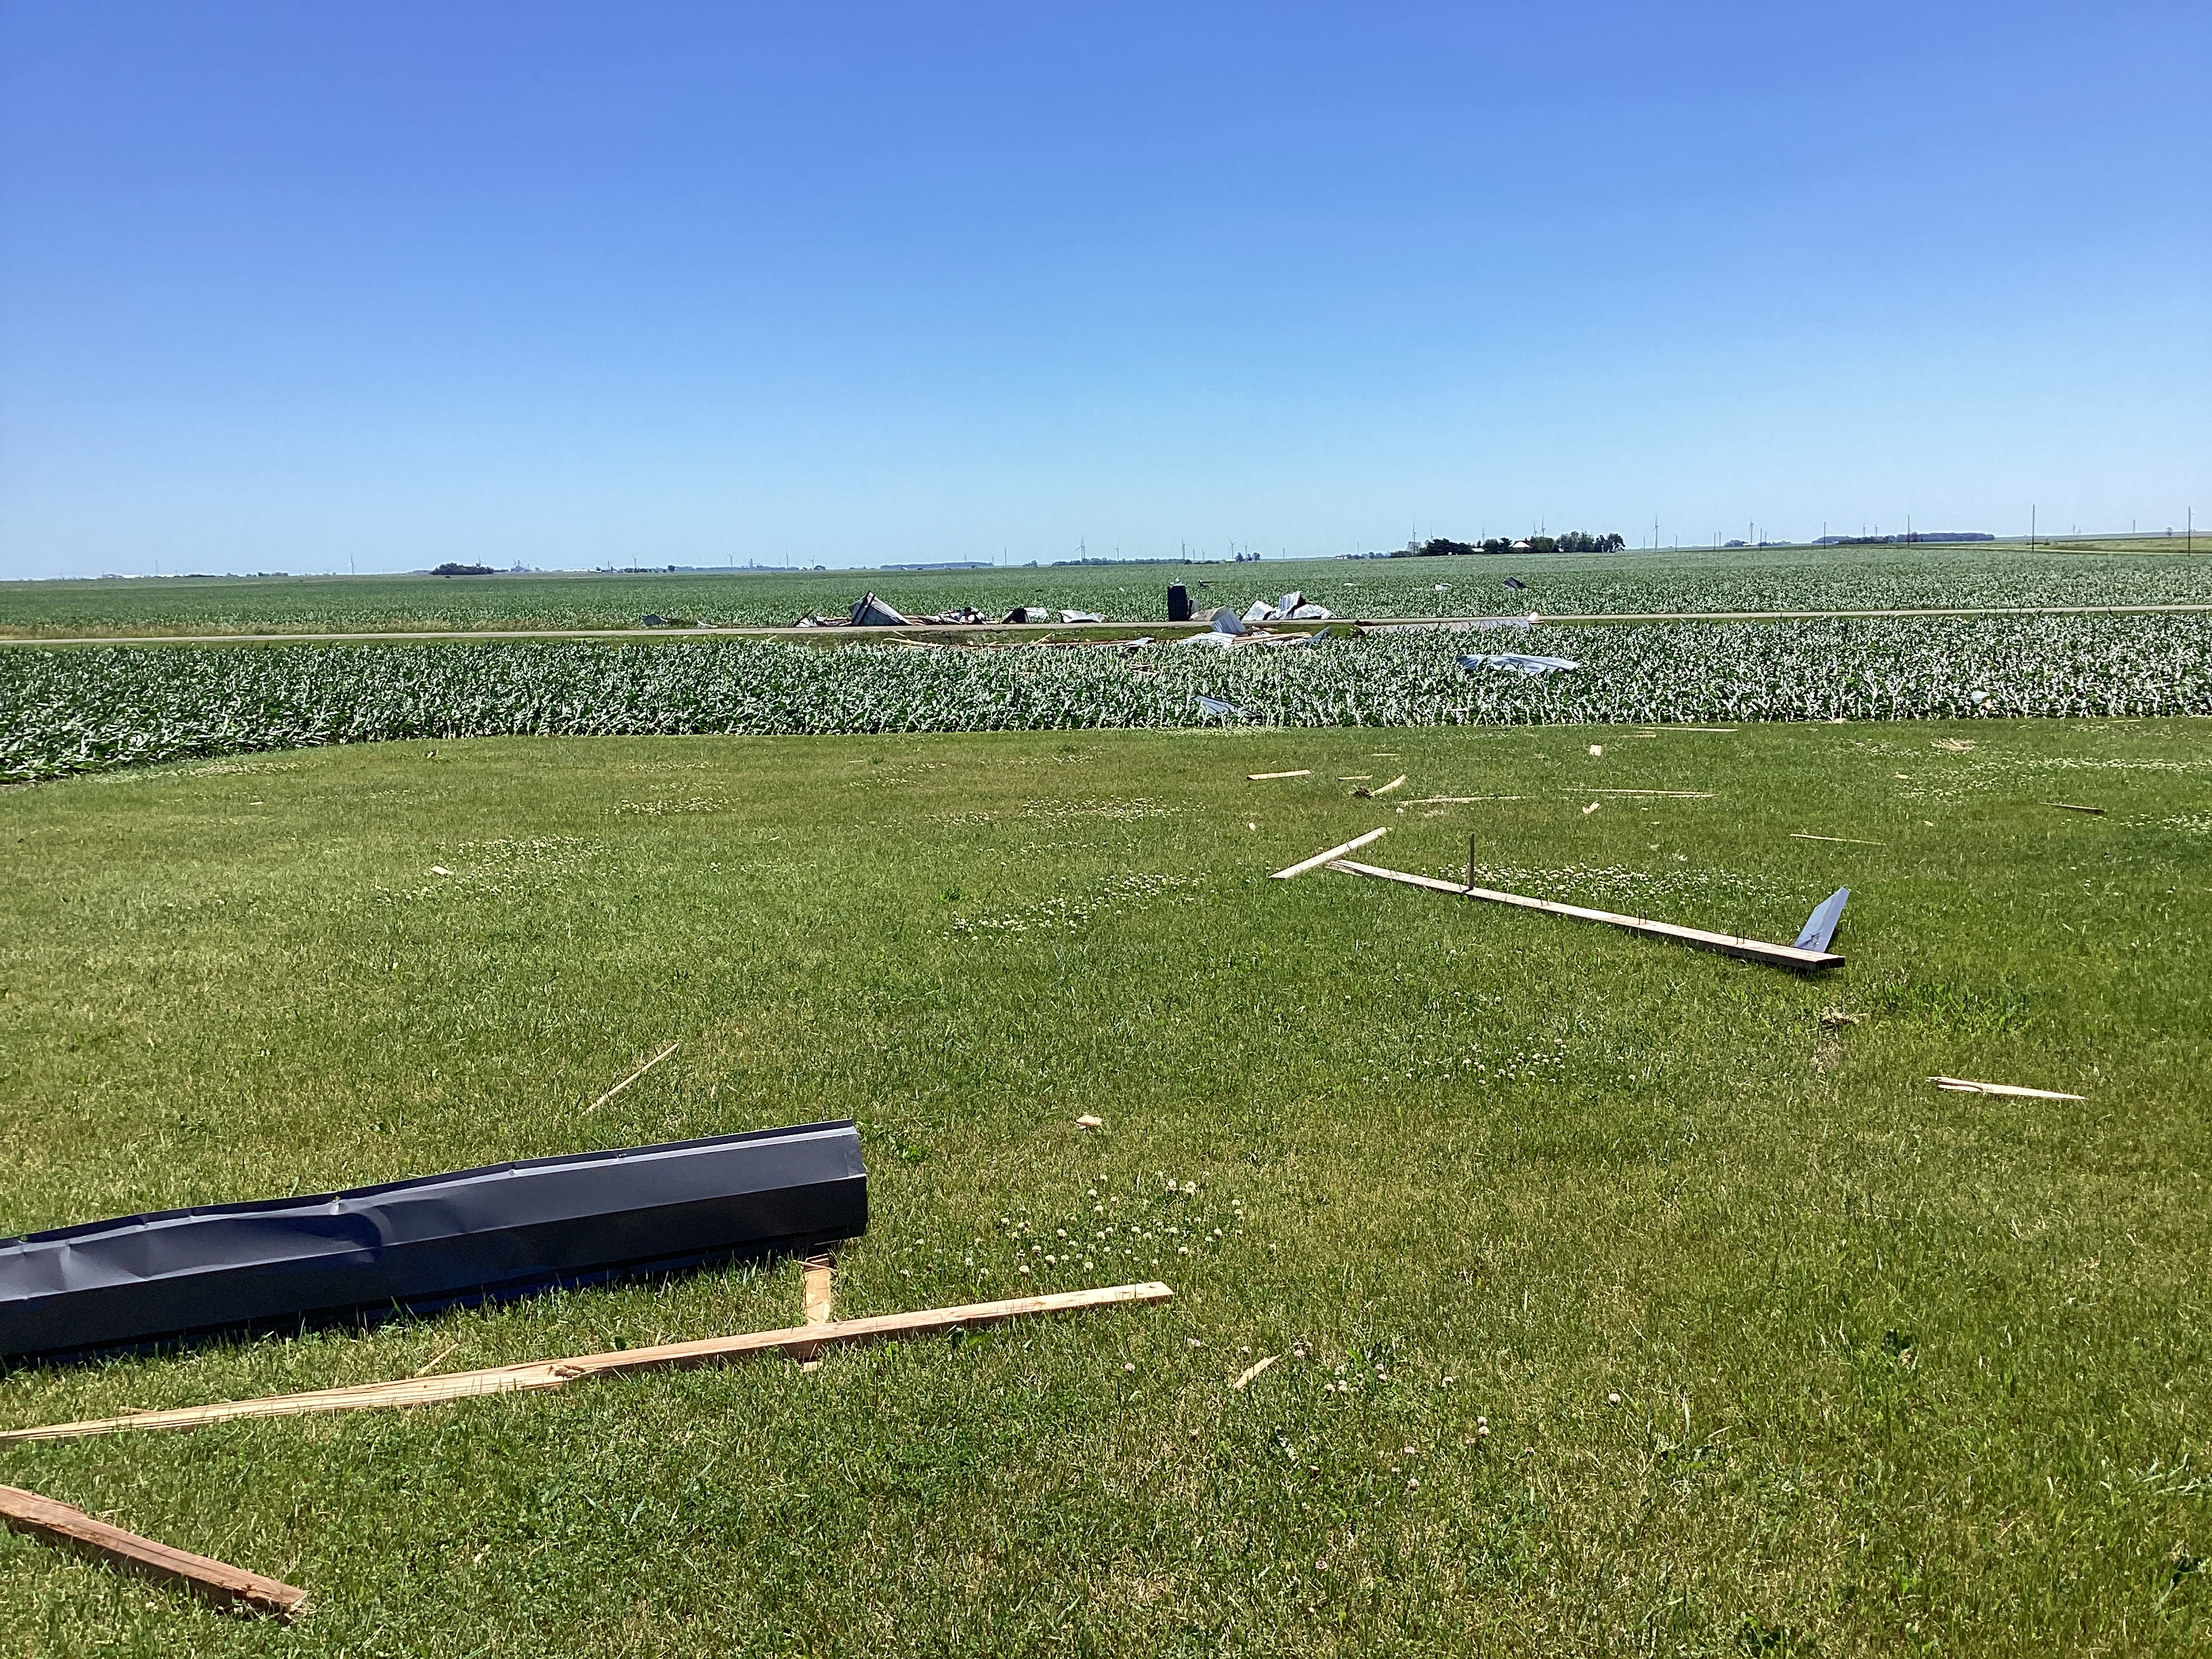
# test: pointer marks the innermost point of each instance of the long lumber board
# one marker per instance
(1333, 854)
(802, 1341)
(211, 1580)
(1752, 949)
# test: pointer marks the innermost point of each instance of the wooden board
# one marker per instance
(1330, 856)
(212, 1581)
(1751, 949)
(1259, 777)
(803, 1342)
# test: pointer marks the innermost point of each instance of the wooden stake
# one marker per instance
(804, 1342)
(1752, 949)
(1966, 1086)
(1330, 856)
(212, 1581)
(632, 1078)
(815, 1277)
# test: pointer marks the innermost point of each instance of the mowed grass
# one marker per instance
(1896, 1369)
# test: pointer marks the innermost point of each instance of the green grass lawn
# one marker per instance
(1777, 1348)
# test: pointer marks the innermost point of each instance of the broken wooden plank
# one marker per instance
(804, 1341)
(217, 1582)
(1669, 794)
(1259, 777)
(1459, 800)
(1967, 1086)
(1751, 949)
(1847, 840)
(1330, 856)
(1381, 788)
(2068, 806)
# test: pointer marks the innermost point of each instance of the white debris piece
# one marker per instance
(1518, 663)
(1081, 617)
(871, 612)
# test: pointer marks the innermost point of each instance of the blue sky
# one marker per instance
(285, 286)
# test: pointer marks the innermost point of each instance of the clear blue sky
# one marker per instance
(285, 285)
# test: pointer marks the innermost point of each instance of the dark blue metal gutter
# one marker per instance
(472, 1236)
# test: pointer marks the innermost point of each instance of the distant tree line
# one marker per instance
(1574, 541)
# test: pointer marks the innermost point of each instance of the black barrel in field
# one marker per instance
(472, 1236)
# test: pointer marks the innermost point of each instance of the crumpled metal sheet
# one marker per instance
(1520, 662)
(1821, 926)
(869, 612)
(471, 1236)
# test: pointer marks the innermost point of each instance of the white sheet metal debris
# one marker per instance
(1821, 926)
(1518, 662)
(869, 612)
